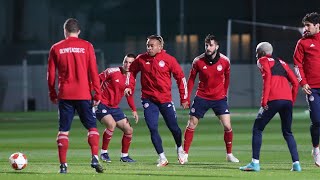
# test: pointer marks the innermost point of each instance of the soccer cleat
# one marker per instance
(105, 157)
(127, 159)
(162, 162)
(232, 158)
(251, 167)
(316, 158)
(95, 164)
(181, 157)
(63, 168)
(296, 167)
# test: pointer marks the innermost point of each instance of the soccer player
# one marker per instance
(306, 60)
(277, 97)
(75, 61)
(214, 73)
(157, 67)
(114, 81)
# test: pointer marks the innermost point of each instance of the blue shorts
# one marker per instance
(104, 110)
(200, 106)
(313, 101)
(67, 109)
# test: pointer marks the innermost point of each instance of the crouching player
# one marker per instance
(277, 97)
(113, 83)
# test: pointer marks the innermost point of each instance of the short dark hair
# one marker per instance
(157, 37)
(313, 17)
(130, 55)
(209, 38)
(72, 25)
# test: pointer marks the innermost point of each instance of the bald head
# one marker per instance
(263, 48)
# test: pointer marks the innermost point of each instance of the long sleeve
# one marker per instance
(295, 84)
(191, 79)
(93, 71)
(298, 57)
(266, 76)
(51, 75)
(134, 69)
(180, 79)
(130, 99)
(227, 79)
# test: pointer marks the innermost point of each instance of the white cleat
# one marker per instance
(162, 162)
(181, 157)
(232, 158)
(316, 158)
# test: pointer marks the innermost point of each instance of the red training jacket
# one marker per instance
(307, 61)
(156, 76)
(113, 84)
(277, 87)
(75, 60)
(213, 79)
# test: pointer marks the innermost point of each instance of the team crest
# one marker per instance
(219, 67)
(161, 63)
(311, 98)
(193, 110)
(146, 105)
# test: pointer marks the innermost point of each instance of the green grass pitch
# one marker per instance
(34, 133)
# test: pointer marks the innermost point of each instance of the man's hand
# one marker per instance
(127, 92)
(135, 115)
(185, 105)
(96, 103)
(54, 101)
(306, 89)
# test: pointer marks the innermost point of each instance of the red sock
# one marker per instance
(93, 140)
(126, 141)
(63, 144)
(188, 137)
(228, 136)
(107, 135)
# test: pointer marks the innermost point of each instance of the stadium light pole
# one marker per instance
(158, 17)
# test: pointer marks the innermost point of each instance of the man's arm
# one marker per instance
(51, 76)
(181, 82)
(265, 70)
(294, 82)
(227, 78)
(298, 57)
(93, 71)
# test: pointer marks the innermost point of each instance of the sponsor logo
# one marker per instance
(104, 111)
(117, 80)
(204, 67)
(312, 45)
(193, 110)
(227, 110)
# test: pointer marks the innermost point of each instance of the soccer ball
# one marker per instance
(18, 161)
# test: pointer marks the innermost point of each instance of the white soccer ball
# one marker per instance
(18, 161)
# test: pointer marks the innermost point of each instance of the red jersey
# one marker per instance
(213, 79)
(113, 84)
(156, 76)
(307, 60)
(277, 87)
(75, 60)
